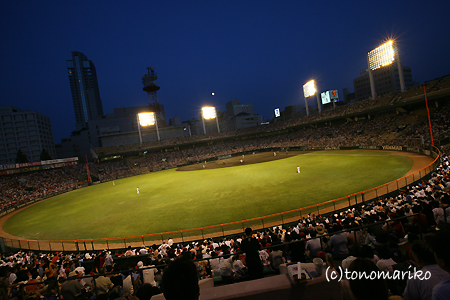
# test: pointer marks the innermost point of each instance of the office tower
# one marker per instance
(84, 86)
(28, 131)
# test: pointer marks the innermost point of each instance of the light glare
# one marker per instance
(208, 112)
(381, 56)
(309, 88)
(146, 119)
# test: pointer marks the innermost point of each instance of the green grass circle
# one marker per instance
(177, 200)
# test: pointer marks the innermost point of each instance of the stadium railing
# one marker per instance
(127, 264)
(221, 230)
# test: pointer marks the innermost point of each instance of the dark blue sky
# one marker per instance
(259, 52)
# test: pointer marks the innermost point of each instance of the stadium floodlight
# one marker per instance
(310, 89)
(209, 112)
(383, 56)
(147, 119)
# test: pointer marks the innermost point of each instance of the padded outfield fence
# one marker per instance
(237, 227)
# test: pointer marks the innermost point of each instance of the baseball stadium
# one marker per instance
(217, 185)
(340, 172)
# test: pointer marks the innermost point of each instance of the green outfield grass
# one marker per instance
(178, 200)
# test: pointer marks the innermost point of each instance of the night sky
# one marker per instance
(259, 52)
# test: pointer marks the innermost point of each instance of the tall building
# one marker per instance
(28, 131)
(386, 80)
(115, 129)
(241, 116)
(84, 86)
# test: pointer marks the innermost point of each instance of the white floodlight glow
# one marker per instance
(208, 112)
(309, 88)
(381, 56)
(147, 119)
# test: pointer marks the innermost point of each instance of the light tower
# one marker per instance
(309, 89)
(149, 82)
(382, 56)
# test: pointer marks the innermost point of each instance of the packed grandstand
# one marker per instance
(388, 233)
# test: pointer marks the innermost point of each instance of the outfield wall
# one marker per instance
(385, 190)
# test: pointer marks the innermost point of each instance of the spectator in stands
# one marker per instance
(250, 246)
(367, 252)
(180, 280)
(71, 288)
(129, 252)
(32, 291)
(386, 262)
(148, 274)
(361, 288)
(226, 268)
(108, 259)
(313, 246)
(440, 245)
(438, 213)
(145, 292)
(417, 289)
(4, 281)
(102, 283)
(128, 282)
(338, 243)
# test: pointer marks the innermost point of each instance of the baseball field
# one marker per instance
(193, 196)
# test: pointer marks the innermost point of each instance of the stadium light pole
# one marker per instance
(189, 128)
(309, 89)
(209, 112)
(382, 56)
(147, 119)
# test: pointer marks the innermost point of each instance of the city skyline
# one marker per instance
(258, 52)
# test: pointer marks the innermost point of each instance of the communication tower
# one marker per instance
(149, 82)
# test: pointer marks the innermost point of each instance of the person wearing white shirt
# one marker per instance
(143, 250)
(313, 246)
(128, 283)
(417, 289)
(215, 245)
(386, 262)
(438, 213)
(148, 274)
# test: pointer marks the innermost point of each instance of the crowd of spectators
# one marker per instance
(17, 188)
(386, 128)
(340, 111)
(396, 220)
(366, 236)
